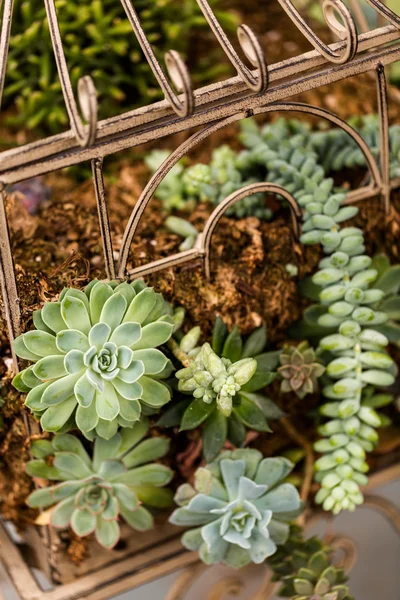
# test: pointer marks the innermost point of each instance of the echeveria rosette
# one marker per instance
(300, 370)
(96, 361)
(120, 480)
(239, 507)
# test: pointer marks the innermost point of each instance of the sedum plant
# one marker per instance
(355, 353)
(183, 188)
(119, 480)
(239, 508)
(299, 370)
(96, 362)
(225, 378)
(305, 570)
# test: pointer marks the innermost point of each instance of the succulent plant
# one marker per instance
(225, 379)
(239, 507)
(95, 359)
(183, 188)
(119, 480)
(300, 562)
(299, 370)
(349, 301)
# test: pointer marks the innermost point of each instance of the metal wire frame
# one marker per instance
(251, 92)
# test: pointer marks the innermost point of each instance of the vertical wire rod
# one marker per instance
(384, 141)
(98, 182)
(5, 41)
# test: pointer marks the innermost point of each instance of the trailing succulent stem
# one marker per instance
(239, 508)
(225, 379)
(356, 353)
(96, 366)
(119, 480)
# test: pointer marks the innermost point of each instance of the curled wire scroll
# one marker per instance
(87, 97)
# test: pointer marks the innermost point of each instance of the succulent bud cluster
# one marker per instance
(215, 379)
(225, 379)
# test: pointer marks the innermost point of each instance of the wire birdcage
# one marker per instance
(257, 89)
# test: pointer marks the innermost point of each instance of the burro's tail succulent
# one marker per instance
(95, 358)
(94, 493)
(239, 508)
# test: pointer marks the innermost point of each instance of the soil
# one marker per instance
(60, 246)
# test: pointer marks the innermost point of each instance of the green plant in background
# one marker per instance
(239, 508)
(305, 569)
(184, 229)
(326, 150)
(183, 188)
(98, 41)
(336, 150)
(96, 365)
(225, 379)
(299, 370)
(346, 276)
(120, 480)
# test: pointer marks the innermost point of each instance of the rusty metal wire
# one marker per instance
(258, 89)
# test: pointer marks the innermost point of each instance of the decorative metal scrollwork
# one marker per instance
(176, 68)
(250, 46)
(87, 97)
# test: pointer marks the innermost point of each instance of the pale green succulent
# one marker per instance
(215, 379)
(239, 507)
(96, 362)
(118, 481)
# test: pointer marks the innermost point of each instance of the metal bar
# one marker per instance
(157, 120)
(9, 291)
(5, 41)
(98, 182)
(248, 190)
(164, 263)
(175, 67)
(384, 154)
(199, 136)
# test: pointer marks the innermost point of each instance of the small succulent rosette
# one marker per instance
(299, 370)
(120, 480)
(96, 362)
(316, 579)
(239, 507)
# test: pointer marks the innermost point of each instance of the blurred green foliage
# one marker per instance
(98, 41)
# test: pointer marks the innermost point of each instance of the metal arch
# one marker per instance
(250, 46)
(199, 136)
(176, 68)
(87, 96)
(346, 31)
(248, 190)
(102, 211)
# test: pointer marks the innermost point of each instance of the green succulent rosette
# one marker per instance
(225, 378)
(239, 508)
(119, 480)
(96, 362)
(300, 370)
